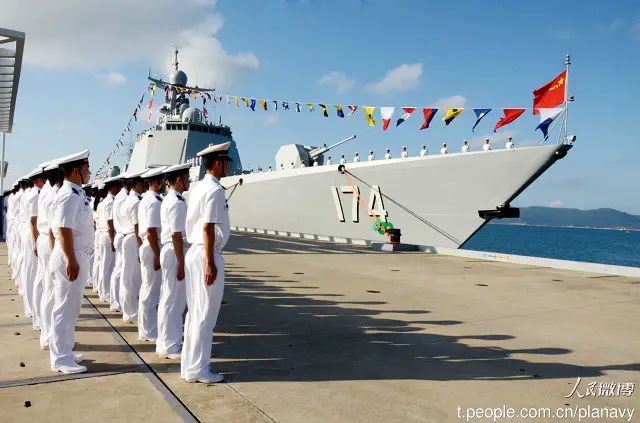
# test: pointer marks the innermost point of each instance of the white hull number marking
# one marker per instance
(375, 203)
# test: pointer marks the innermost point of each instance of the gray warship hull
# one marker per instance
(434, 200)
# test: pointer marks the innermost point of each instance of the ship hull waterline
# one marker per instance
(433, 200)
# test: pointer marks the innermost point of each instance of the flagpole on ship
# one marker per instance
(567, 62)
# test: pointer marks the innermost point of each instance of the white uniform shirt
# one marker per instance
(465, 148)
(49, 204)
(207, 204)
(329, 162)
(72, 211)
(173, 216)
(118, 216)
(444, 150)
(293, 165)
(302, 165)
(31, 207)
(486, 147)
(387, 156)
(510, 145)
(44, 202)
(105, 213)
(343, 161)
(423, 153)
(17, 210)
(129, 212)
(404, 154)
(371, 157)
(149, 213)
(270, 170)
(315, 164)
(356, 159)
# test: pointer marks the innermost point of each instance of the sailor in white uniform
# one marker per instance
(46, 213)
(293, 165)
(424, 151)
(29, 246)
(486, 146)
(149, 230)
(15, 233)
(69, 262)
(20, 231)
(404, 153)
(356, 159)
(302, 165)
(329, 161)
(106, 238)
(130, 279)
(42, 248)
(281, 166)
(343, 160)
(465, 147)
(118, 225)
(372, 157)
(509, 145)
(387, 155)
(315, 163)
(96, 195)
(270, 170)
(444, 149)
(173, 297)
(208, 230)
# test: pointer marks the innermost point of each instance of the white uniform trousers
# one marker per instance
(105, 266)
(95, 261)
(114, 297)
(48, 298)
(28, 273)
(18, 270)
(173, 302)
(68, 300)
(149, 294)
(130, 279)
(203, 303)
(42, 244)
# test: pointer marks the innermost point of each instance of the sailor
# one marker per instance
(118, 225)
(302, 165)
(20, 230)
(293, 166)
(486, 146)
(208, 230)
(96, 197)
(130, 279)
(509, 144)
(106, 237)
(372, 157)
(149, 231)
(259, 169)
(387, 155)
(465, 147)
(404, 153)
(29, 246)
(69, 262)
(173, 297)
(315, 163)
(270, 170)
(444, 149)
(329, 161)
(424, 151)
(343, 160)
(46, 242)
(281, 166)
(356, 158)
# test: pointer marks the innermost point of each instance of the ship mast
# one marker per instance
(567, 62)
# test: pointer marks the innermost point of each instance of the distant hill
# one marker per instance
(552, 216)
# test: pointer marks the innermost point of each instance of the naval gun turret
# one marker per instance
(298, 154)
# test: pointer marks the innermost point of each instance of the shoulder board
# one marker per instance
(75, 191)
(180, 197)
(158, 198)
(86, 203)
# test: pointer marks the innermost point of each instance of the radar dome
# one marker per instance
(192, 115)
(183, 107)
(178, 78)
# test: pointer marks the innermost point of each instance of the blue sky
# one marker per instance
(85, 72)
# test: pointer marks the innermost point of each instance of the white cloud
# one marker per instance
(556, 203)
(562, 34)
(84, 34)
(271, 119)
(455, 101)
(338, 81)
(115, 78)
(616, 24)
(403, 78)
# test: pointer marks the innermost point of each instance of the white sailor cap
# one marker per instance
(221, 150)
(153, 172)
(45, 164)
(35, 172)
(177, 167)
(132, 175)
(82, 156)
(95, 185)
(85, 186)
(52, 165)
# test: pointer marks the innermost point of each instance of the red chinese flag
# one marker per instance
(509, 116)
(550, 95)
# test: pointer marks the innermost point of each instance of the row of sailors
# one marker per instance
(149, 257)
(403, 154)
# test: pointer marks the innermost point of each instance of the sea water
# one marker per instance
(616, 247)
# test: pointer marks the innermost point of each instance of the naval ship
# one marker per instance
(436, 200)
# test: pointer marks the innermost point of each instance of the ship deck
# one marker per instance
(319, 332)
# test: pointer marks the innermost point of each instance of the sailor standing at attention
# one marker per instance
(106, 236)
(41, 248)
(69, 262)
(21, 230)
(29, 246)
(444, 149)
(424, 151)
(118, 225)
(486, 146)
(356, 159)
(173, 297)
(45, 217)
(149, 231)
(509, 144)
(96, 196)
(208, 230)
(131, 279)
(404, 153)
(387, 155)
(343, 160)
(465, 147)
(329, 161)
(372, 157)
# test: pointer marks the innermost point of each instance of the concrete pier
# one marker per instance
(318, 332)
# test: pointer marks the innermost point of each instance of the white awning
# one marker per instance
(11, 50)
